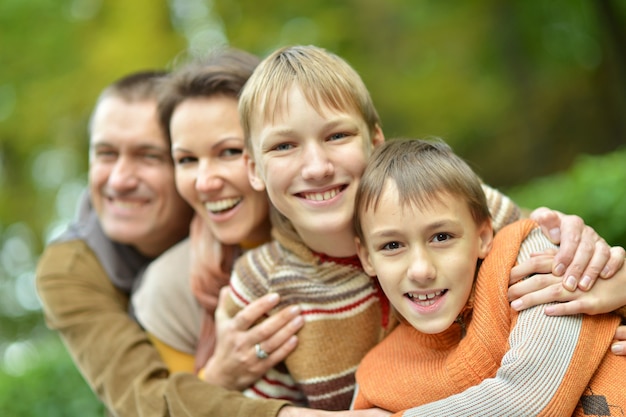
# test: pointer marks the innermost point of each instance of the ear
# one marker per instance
(485, 238)
(255, 180)
(364, 256)
(378, 137)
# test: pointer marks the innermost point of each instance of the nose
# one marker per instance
(123, 176)
(421, 268)
(208, 178)
(316, 164)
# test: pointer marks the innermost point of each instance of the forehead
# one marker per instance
(119, 122)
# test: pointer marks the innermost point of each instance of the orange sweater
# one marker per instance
(507, 364)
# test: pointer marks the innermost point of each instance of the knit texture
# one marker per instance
(507, 364)
(343, 320)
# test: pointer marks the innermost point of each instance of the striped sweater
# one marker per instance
(507, 364)
(344, 310)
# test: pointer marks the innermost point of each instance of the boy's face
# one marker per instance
(425, 258)
(207, 147)
(310, 164)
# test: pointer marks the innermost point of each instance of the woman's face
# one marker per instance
(207, 148)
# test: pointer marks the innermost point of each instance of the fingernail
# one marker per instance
(555, 234)
(516, 305)
(570, 283)
(297, 322)
(549, 310)
(604, 272)
(559, 270)
(585, 282)
(617, 349)
(273, 297)
(295, 309)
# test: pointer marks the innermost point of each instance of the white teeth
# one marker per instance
(321, 196)
(424, 297)
(221, 205)
(126, 204)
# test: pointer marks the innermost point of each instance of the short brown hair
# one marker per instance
(138, 86)
(421, 171)
(224, 72)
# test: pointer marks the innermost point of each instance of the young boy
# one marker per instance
(309, 127)
(423, 227)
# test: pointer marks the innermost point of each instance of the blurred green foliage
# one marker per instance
(594, 188)
(532, 93)
(51, 387)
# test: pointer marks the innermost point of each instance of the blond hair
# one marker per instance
(324, 78)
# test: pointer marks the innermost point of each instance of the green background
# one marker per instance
(531, 93)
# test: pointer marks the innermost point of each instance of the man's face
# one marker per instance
(131, 177)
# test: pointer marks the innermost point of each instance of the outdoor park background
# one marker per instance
(532, 93)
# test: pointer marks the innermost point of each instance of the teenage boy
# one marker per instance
(309, 126)
(424, 230)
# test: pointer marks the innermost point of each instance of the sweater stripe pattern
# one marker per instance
(508, 364)
(342, 312)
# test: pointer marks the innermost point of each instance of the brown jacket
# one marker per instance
(114, 354)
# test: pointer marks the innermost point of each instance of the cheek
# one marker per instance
(98, 175)
(185, 180)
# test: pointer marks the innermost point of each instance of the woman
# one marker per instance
(198, 112)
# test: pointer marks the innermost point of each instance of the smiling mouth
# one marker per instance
(326, 195)
(221, 206)
(425, 299)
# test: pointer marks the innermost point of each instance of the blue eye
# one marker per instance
(283, 147)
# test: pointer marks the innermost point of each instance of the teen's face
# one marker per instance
(131, 177)
(207, 147)
(425, 258)
(310, 164)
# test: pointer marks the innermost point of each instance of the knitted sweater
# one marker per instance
(342, 308)
(507, 364)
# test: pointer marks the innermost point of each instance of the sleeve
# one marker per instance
(503, 210)
(164, 303)
(543, 359)
(114, 354)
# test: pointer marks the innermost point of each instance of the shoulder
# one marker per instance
(67, 256)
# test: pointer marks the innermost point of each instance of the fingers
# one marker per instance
(619, 347)
(253, 312)
(538, 289)
(572, 230)
(538, 263)
(550, 223)
(600, 256)
(277, 334)
(615, 262)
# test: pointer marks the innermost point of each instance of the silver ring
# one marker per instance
(260, 353)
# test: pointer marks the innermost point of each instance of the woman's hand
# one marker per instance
(583, 256)
(235, 363)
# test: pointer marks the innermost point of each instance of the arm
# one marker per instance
(114, 354)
